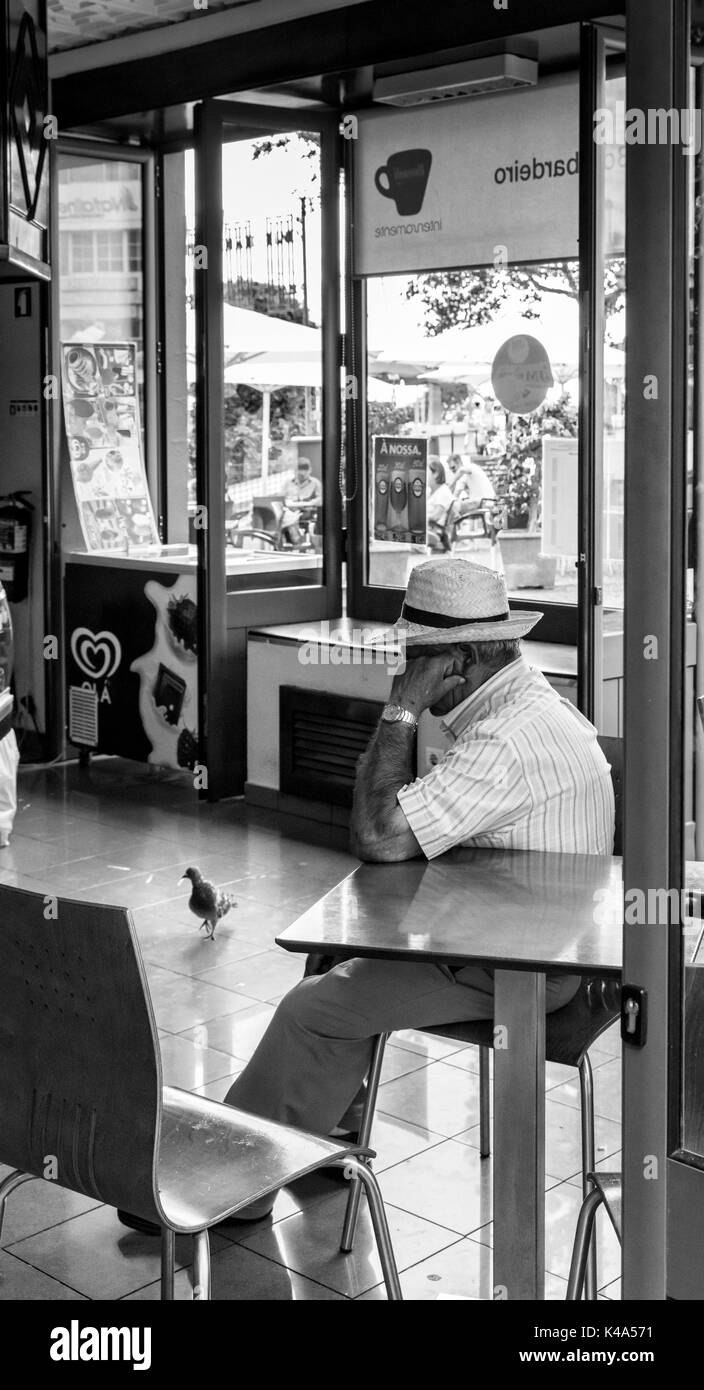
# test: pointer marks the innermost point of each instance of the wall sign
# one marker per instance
(448, 184)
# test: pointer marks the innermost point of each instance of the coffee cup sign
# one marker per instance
(521, 375)
(404, 178)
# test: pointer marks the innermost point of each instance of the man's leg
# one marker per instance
(315, 1053)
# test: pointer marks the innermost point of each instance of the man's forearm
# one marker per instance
(385, 767)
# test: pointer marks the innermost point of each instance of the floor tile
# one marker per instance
(217, 1090)
(189, 1066)
(36, 1205)
(308, 1243)
(236, 1034)
(563, 1141)
(240, 1275)
(439, 1097)
(395, 1140)
(260, 977)
(448, 1184)
(20, 1281)
(430, 1046)
(96, 1255)
(181, 1002)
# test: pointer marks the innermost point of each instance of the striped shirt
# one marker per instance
(525, 771)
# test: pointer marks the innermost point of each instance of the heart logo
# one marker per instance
(97, 653)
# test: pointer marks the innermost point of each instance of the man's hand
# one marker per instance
(425, 682)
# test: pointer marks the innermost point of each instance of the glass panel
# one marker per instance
(100, 215)
(472, 391)
(273, 357)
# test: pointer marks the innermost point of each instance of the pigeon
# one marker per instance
(206, 901)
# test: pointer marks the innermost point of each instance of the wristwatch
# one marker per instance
(396, 714)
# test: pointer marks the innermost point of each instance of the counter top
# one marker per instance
(183, 557)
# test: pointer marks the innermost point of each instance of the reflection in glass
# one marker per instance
(101, 289)
(272, 353)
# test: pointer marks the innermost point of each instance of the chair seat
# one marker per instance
(569, 1031)
(214, 1159)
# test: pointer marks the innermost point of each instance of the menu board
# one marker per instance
(101, 412)
(400, 489)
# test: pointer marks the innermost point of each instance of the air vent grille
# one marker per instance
(322, 737)
(478, 77)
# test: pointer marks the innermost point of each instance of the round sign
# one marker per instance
(521, 375)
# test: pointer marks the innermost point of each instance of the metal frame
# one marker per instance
(223, 616)
(656, 222)
(591, 396)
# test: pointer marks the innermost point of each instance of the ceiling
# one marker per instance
(73, 23)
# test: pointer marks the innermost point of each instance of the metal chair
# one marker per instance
(83, 1102)
(605, 1189)
(569, 1033)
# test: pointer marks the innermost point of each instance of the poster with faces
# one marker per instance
(101, 413)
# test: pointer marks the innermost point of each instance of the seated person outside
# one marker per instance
(524, 771)
(440, 503)
(304, 494)
(470, 485)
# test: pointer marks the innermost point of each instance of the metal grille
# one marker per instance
(322, 737)
(83, 715)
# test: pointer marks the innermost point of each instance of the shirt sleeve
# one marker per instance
(478, 788)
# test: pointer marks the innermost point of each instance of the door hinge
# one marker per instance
(157, 179)
(159, 358)
(598, 597)
(634, 1015)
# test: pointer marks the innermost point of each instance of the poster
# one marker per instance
(400, 489)
(101, 412)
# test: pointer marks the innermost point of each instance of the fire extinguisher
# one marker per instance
(15, 529)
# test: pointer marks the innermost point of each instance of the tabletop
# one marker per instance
(520, 909)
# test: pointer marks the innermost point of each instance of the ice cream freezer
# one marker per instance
(132, 658)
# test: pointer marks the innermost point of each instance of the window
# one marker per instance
(478, 374)
(111, 247)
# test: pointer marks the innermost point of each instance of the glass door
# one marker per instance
(264, 497)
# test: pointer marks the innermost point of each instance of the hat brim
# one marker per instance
(418, 635)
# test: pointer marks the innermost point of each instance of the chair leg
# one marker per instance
(168, 1261)
(365, 1130)
(583, 1241)
(201, 1266)
(484, 1104)
(586, 1093)
(8, 1185)
(380, 1225)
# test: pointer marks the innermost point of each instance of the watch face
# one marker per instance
(391, 713)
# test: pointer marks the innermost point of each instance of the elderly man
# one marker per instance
(524, 771)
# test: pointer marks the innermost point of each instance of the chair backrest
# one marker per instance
(612, 748)
(80, 1070)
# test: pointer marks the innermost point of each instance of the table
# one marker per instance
(521, 913)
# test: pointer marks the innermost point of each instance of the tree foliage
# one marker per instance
(466, 298)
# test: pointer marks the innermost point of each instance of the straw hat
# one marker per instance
(451, 600)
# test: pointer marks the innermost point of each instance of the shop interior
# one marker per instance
(261, 406)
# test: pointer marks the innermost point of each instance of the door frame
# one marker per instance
(223, 617)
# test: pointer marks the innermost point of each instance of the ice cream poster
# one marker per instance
(101, 413)
(400, 489)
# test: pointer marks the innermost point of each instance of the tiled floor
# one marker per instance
(120, 833)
